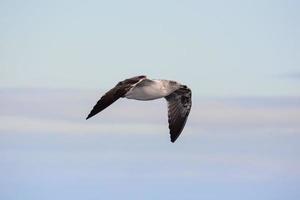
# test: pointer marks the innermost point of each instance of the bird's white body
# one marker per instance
(148, 89)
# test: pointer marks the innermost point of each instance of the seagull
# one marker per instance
(178, 96)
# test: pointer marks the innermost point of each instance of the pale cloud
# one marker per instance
(293, 75)
(35, 125)
(65, 111)
(224, 114)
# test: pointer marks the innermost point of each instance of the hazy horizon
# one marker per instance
(231, 148)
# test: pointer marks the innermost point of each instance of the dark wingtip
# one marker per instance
(89, 116)
(173, 139)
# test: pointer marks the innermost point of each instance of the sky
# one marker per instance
(221, 48)
(240, 58)
(231, 148)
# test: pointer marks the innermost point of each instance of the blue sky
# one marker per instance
(218, 47)
(240, 58)
(231, 148)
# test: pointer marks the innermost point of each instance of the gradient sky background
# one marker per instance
(218, 47)
(241, 59)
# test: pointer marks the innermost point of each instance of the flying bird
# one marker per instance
(178, 96)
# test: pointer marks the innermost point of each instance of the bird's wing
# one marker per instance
(179, 106)
(114, 94)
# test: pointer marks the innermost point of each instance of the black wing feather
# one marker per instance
(114, 94)
(179, 106)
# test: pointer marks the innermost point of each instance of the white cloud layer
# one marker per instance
(65, 111)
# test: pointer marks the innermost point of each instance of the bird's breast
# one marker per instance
(149, 92)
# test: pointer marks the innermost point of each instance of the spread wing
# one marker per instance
(179, 106)
(114, 94)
